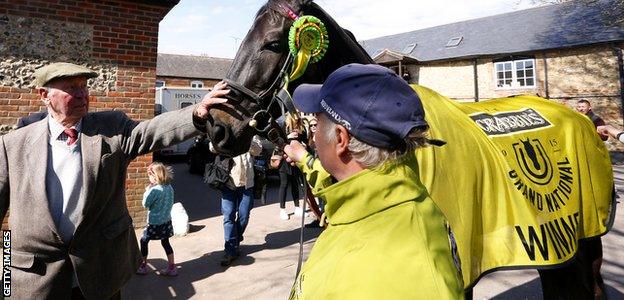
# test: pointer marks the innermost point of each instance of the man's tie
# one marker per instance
(72, 135)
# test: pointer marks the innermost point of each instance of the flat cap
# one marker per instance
(45, 74)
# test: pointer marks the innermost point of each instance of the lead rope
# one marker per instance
(305, 199)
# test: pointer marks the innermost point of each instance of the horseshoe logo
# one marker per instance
(533, 161)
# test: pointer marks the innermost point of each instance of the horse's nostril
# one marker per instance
(220, 135)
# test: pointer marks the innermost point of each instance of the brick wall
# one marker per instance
(120, 37)
(186, 82)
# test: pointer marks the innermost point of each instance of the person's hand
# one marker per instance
(212, 98)
(603, 129)
(294, 152)
(293, 135)
(608, 130)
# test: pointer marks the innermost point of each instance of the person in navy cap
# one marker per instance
(385, 239)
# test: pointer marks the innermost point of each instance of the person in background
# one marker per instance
(313, 126)
(158, 199)
(311, 147)
(237, 201)
(261, 165)
(386, 238)
(612, 131)
(288, 174)
(583, 106)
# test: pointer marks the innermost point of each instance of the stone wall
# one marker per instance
(116, 38)
(452, 79)
(589, 73)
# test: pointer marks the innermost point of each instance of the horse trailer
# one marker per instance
(174, 98)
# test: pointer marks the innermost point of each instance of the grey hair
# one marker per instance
(370, 156)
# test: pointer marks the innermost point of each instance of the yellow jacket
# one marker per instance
(386, 239)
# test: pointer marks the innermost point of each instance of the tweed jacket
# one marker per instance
(103, 251)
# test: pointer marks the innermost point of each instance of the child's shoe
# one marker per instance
(142, 269)
(169, 271)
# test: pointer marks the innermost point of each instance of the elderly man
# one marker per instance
(385, 239)
(63, 179)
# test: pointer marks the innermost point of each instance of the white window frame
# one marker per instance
(454, 41)
(199, 84)
(515, 80)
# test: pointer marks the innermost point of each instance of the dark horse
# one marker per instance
(254, 76)
(257, 73)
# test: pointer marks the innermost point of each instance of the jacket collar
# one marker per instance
(374, 190)
(56, 128)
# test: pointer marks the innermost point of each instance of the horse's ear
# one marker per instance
(303, 3)
(349, 33)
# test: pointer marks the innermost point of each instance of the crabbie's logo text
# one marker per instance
(510, 121)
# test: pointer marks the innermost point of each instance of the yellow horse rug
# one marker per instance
(521, 180)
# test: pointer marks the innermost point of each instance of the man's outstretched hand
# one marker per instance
(294, 152)
(212, 98)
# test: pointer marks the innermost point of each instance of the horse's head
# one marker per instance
(260, 63)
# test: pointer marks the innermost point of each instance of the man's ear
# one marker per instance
(43, 95)
(342, 140)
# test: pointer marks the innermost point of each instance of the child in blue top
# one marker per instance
(158, 199)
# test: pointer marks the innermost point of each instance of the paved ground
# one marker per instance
(267, 268)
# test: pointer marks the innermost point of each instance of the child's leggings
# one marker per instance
(164, 242)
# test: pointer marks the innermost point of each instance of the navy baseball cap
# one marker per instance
(372, 102)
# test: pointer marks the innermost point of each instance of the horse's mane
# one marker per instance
(343, 47)
(340, 34)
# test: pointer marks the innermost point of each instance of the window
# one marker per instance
(160, 83)
(454, 42)
(409, 48)
(185, 104)
(197, 84)
(515, 73)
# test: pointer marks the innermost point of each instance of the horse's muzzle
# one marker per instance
(227, 141)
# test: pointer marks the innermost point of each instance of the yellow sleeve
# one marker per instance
(316, 175)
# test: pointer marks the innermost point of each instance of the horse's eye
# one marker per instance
(274, 46)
